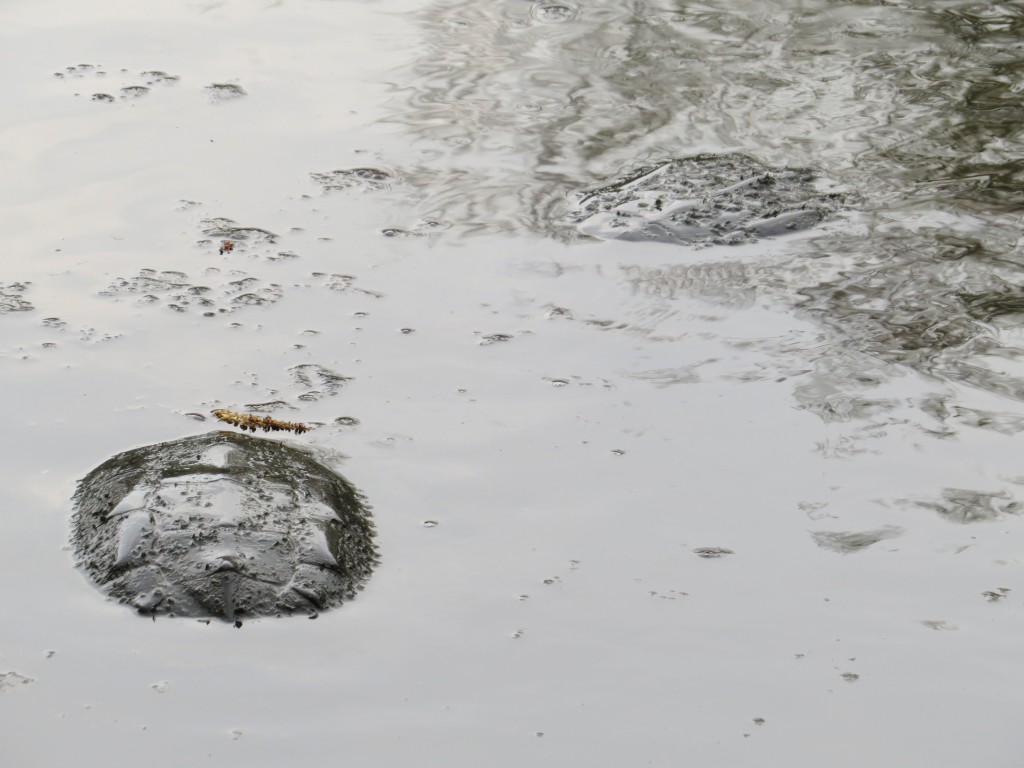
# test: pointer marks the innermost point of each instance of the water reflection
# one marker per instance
(915, 108)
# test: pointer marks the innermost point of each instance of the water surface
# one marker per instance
(553, 431)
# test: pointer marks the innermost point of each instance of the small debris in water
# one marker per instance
(253, 422)
(997, 594)
(850, 677)
(712, 552)
(494, 338)
(226, 246)
(162, 687)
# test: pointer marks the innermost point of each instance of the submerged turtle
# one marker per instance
(705, 199)
(224, 526)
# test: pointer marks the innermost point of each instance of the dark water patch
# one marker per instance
(705, 199)
(965, 506)
(222, 526)
(847, 542)
(948, 412)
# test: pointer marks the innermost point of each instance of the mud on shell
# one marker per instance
(224, 526)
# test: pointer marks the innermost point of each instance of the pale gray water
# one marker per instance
(548, 427)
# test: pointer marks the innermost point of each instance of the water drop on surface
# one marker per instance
(554, 13)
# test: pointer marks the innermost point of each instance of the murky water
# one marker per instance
(636, 502)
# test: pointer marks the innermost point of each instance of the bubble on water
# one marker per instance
(617, 452)
(156, 76)
(850, 677)
(11, 299)
(14, 681)
(557, 382)
(998, 593)
(229, 229)
(709, 553)
(407, 331)
(343, 283)
(318, 377)
(162, 687)
(359, 179)
(554, 312)
(430, 523)
(494, 338)
(940, 625)
(104, 97)
(346, 421)
(518, 633)
(180, 295)
(221, 92)
(554, 13)
(134, 91)
(80, 70)
(846, 542)
(269, 406)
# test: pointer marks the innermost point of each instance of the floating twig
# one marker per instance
(252, 422)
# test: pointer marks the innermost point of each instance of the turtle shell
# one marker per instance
(222, 525)
(705, 199)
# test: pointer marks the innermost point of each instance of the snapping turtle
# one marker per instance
(705, 199)
(224, 526)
